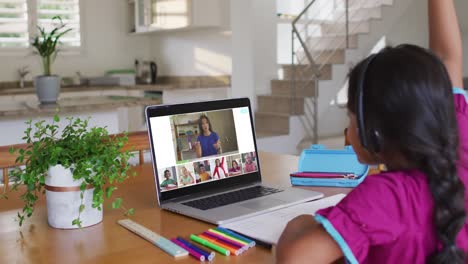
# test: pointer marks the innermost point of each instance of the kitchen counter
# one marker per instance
(139, 87)
(165, 83)
(116, 113)
(32, 108)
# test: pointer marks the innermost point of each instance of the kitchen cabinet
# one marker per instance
(165, 15)
(79, 94)
(24, 97)
(115, 92)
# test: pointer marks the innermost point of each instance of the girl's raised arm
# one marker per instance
(445, 39)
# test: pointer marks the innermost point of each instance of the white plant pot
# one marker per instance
(47, 88)
(63, 200)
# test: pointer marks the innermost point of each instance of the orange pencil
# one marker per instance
(232, 249)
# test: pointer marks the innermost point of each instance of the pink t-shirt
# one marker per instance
(388, 218)
(250, 167)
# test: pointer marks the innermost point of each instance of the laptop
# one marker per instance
(206, 164)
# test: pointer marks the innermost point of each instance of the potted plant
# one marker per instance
(76, 169)
(46, 45)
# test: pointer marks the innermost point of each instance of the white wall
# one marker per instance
(244, 47)
(193, 52)
(413, 27)
(253, 25)
(106, 44)
(265, 44)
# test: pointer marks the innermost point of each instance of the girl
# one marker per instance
(168, 182)
(208, 142)
(235, 168)
(249, 166)
(186, 177)
(219, 171)
(403, 114)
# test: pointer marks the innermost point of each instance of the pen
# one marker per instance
(233, 250)
(230, 233)
(226, 240)
(325, 175)
(228, 236)
(210, 245)
(208, 255)
(192, 252)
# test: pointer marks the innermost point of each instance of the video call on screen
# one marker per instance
(195, 148)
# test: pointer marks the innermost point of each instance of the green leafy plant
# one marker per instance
(95, 157)
(46, 43)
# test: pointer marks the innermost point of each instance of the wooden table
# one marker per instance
(108, 242)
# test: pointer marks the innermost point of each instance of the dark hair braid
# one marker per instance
(439, 165)
(408, 99)
(449, 208)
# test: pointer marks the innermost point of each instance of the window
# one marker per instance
(13, 23)
(68, 10)
(19, 20)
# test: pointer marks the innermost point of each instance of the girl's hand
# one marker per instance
(305, 241)
(217, 145)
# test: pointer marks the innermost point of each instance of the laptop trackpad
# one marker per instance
(262, 203)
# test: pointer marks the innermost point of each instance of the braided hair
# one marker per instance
(408, 99)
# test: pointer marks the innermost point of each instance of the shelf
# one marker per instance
(188, 124)
(187, 150)
(153, 16)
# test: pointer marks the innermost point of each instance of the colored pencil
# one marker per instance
(233, 250)
(192, 252)
(226, 240)
(210, 245)
(230, 237)
(227, 231)
(208, 255)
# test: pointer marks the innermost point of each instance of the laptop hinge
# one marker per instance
(209, 193)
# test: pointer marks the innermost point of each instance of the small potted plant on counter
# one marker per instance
(46, 45)
(76, 169)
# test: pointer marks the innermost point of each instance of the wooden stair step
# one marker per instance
(285, 88)
(271, 123)
(306, 71)
(267, 134)
(322, 57)
(280, 104)
(364, 3)
(358, 14)
(329, 56)
(332, 42)
(339, 28)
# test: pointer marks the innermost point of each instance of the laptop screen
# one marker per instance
(203, 147)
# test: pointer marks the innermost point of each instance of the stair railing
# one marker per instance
(307, 67)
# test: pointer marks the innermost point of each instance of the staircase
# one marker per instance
(326, 32)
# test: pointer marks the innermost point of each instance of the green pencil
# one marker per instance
(205, 243)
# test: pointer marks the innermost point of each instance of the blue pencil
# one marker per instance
(208, 255)
(229, 232)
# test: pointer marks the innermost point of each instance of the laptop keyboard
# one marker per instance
(231, 197)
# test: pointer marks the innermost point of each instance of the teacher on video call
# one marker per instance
(208, 142)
